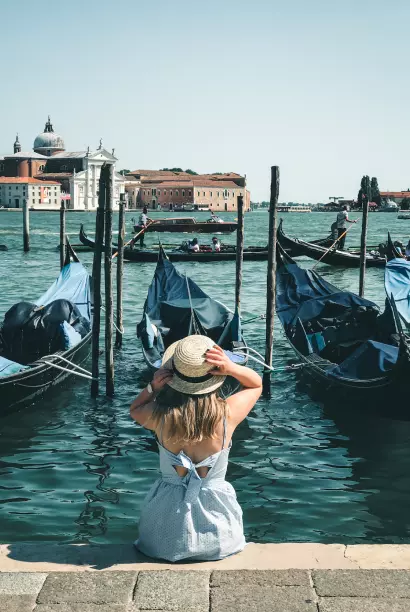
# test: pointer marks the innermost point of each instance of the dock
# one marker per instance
(285, 577)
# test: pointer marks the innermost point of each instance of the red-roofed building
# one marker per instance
(171, 190)
(39, 194)
(395, 196)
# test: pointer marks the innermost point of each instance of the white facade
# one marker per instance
(84, 184)
(39, 194)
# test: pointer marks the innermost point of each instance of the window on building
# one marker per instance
(190, 193)
(9, 201)
(170, 193)
(204, 193)
(217, 193)
(183, 192)
(177, 192)
(1, 167)
(165, 192)
(41, 168)
(39, 201)
(210, 193)
(159, 192)
(55, 201)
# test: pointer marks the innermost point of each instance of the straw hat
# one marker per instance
(186, 358)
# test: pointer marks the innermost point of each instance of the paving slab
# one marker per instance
(17, 603)
(172, 590)
(262, 599)
(379, 556)
(81, 607)
(21, 584)
(88, 587)
(362, 604)
(362, 583)
(224, 578)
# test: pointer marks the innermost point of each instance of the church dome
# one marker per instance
(48, 142)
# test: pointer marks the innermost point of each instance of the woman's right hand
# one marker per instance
(221, 362)
(161, 378)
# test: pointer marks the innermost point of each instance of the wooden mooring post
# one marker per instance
(96, 274)
(120, 274)
(239, 254)
(62, 234)
(109, 312)
(26, 226)
(271, 279)
(363, 238)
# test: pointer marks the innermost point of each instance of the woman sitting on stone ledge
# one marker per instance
(191, 512)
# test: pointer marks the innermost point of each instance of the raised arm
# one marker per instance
(240, 403)
(141, 408)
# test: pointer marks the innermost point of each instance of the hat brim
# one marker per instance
(184, 386)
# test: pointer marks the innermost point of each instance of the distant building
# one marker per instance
(77, 172)
(171, 190)
(395, 196)
(39, 194)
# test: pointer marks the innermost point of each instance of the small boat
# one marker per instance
(3, 247)
(333, 257)
(88, 242)
(388, 207)
(291, 246)
(205, 255)
(189, 225)
(176, 307)
(294, 208)
(403, 215)
(23, 383)
(343, 341)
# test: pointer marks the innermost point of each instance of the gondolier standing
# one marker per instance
(341, 219)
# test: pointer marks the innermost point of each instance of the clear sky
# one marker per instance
(319, 87)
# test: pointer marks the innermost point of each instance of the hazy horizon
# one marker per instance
(318, 88)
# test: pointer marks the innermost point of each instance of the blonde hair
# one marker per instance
(189, 418)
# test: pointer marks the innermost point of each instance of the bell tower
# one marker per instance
(17, 145)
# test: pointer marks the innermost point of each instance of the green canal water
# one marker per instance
(76, 470)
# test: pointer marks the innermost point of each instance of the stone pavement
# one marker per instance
(340, 590)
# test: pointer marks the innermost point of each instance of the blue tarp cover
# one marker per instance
(73, 284)
(8, 367)
(397, 283)
(371, 360)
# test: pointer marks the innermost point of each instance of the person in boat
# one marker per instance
(216, 245)
(143, 222)
(193, 245)
(341, 220)
(191, 512)
(215, 219)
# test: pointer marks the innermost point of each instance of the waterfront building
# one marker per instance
(77, 172)
(395, 196)
(172, 190)
(39, 194)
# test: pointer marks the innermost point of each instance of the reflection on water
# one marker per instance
(76, 470)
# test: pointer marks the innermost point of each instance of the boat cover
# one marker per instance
(397, 284)
(371, 360)
(176, 307)
(73, 284)
(8, 367)
(305, 295)
(317, 318)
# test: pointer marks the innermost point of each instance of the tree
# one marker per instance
(405, 204)
(374, 188)
(124, 171)
(189, 171)
(172, 169)
(362, 192)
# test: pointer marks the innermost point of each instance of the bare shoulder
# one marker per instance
(143, 416)
(240, 404)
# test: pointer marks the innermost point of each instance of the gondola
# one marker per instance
(291, 246)
(189, 225)
(343, 342)
(397, 283)
(86, 241)
(333, 257)
(22, 384)
(176, 307)
(205, 255)
(3, 247)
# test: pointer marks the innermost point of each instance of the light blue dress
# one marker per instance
(191, 518)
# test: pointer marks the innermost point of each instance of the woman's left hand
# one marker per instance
(221, 362)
